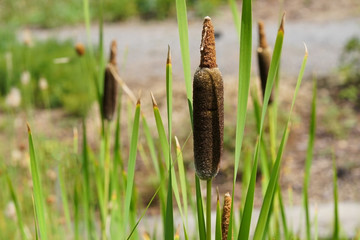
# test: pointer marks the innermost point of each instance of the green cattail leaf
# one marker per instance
(218, 220)
(64, 198)
(131, 164)
(185, 52)
(308, 162)
(39, 202)
(235, 14)
(261, 224)
(243, 87)
(182, 177)
(249, 202)
(17, 207)
(166, 153)
(200, 210)
(86, 182)
(169, 219)
(336, 200)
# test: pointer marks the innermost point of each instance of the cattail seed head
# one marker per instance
(80, 49)
(226, 216)
(110, 85)
(264, 58)
(208, 106)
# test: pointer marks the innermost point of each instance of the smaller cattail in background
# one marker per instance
(27, 38)
(13, 99)
(110, 85)
(80, 49)
(264, 58)
(208, 97)
(226, 215)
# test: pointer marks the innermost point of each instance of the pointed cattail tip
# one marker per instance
(113, 52)
(207, 47)
(281, 29)
(262, 36)
(306, 50)
(138, 101)
(177, 143)
(168, 61)
(28, 128)
(153, 99)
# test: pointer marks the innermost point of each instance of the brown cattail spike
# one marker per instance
(208, 105)
(262, 37)
(226, 216)
(264, 58)
(207, 47)
(110, 85)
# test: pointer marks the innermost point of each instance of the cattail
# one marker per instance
(80, 49)
(110, 85)
(264, 57)
(226, 216)
(208, 98)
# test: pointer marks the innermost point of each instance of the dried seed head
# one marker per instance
(80, 49)
(110, 86)
(226, 216)
(207, 47)
(262, 36)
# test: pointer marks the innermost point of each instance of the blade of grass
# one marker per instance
(86, 180)
(308, 162)
(144, 212)
(39, 202)
(246, 218)
(243, 90)
(185, 52)
(131, 164)
(336, 199)
(169, 223)
(218, 232)
(182, 176)
(64, 198)
(235, 13)
(261, 224)
(200, 210)
(17, 207)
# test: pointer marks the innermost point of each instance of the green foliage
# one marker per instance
(69, 84)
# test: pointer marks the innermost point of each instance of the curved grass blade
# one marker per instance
(235, 14)
(243, 90)
(131, 164)
(39, 203)
(143, 214)
(261, 224)
(308, 162)
(249, 202)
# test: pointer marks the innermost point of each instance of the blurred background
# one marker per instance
(45, 82)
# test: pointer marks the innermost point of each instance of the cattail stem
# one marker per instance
(208, 209)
